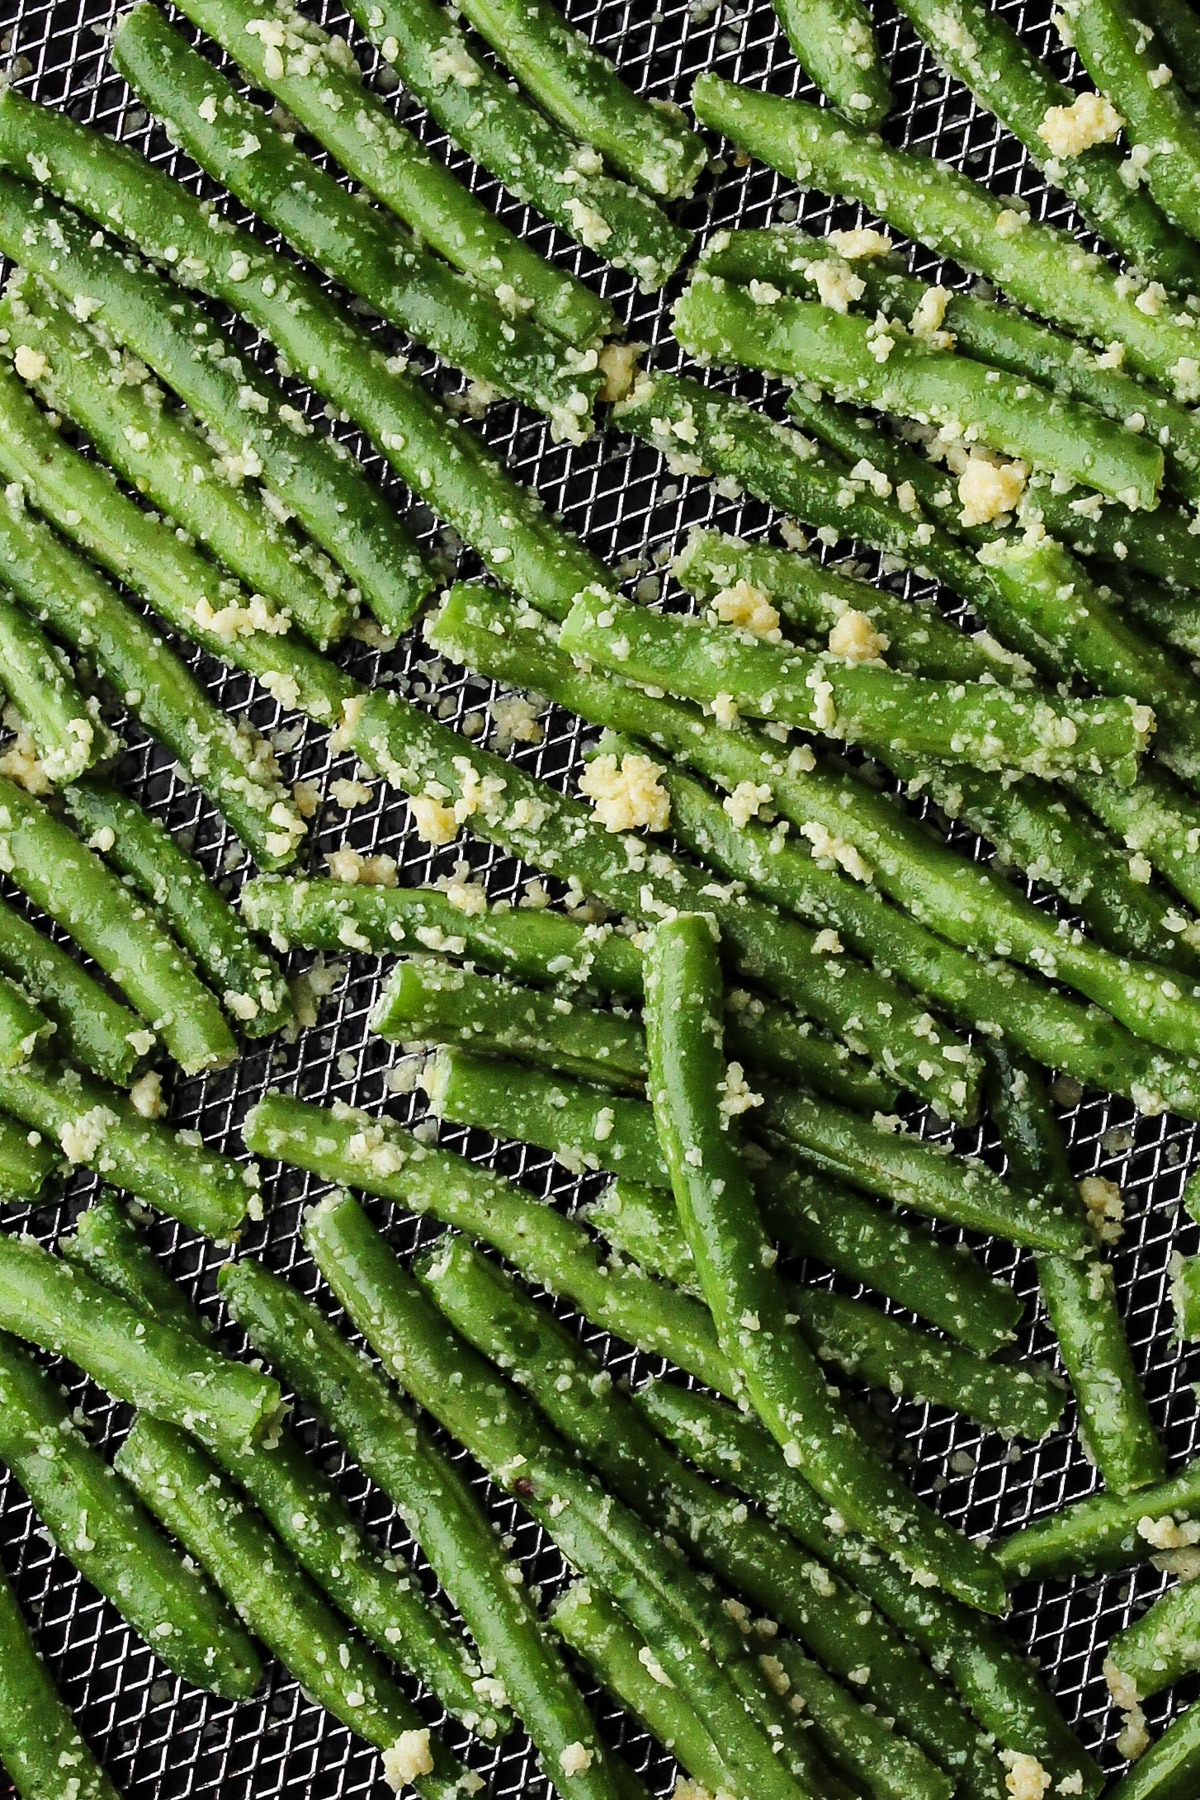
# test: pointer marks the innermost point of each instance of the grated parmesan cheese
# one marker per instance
(749, 608)
(1090, 119)
(855, 639)
(628, 795)
(989, 489)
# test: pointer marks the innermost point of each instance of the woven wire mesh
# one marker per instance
(155, 1735)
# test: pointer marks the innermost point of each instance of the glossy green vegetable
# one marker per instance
(92, 1027)
(27, 1161)
(834, 40)
(1157, 1649)
(38, 1739)
(68, 733)
(1105, 1531)
(245, 977)
(1170, 1769)
(115, 1545)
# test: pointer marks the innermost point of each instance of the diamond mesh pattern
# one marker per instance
(158, 1738)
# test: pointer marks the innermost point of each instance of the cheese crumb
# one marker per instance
(356, 870)
(855, 639)
(626, 796)
(746, 801)
(1090, 119)
(860, 242)
(989, 489)
(749, 608)
(29, 363)
(147, 1096)
(576, 1759)
(736, 1096)
(838, 287)
(515, 721)
(409, 1758)
(1026, 1779)
(1105, 1207)
(435, 823)
(1167, 1534)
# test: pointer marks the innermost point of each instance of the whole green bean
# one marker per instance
(1106, 1531)
(544, 1359)
(804, 340)
(68, 732)
(687, 1627)
(432, 1001)
(622, 1661)
(939, 888)
(47, 1302)
(395, 1449)
(488, 117)
(983, 51)
(1114, 1420)
(112, 1541)
(690, 1090)
(1160, 121)
(559, 834)
(995, 334)
(232, 764)
(313, 75)
(247, 416)
(995, 1680)
(26, 1161)
(588, 1128)
(987, 727)
(580, 89)
(70, 883)
(82, 499)
(297, 1499)
(185, 1489)
(92, 1027)
(1170, 1768)
(546, 948)
(439, 457)
(100, 1128)
(1038, 266)
(246, 979)
(352, 242)
(38, 1739)
(83, 376)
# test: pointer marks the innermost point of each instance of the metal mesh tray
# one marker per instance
(156, 1736)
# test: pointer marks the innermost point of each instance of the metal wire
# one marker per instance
(156, 1736)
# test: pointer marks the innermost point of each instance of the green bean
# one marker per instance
(588, 1128)
(394, 1448)
(856, 1740)
(431, 1001)
(939, 888)
(545, 948)
(313, 75)
(559, 834)
(1114, 1421)
(38, 1739)
(24, 1027)
(982, 50)
(985, 726)
(602, 1637)
(247, 416)
(93, 1029)
(299, 1502)
(694, 1105)
(1037, 266)
(186, 1490)
(1185, 1295)
(1170, 617)
(1106, 1531)
(84, 377)
(687, 1627)
(994, 334)
(1158, 818)
(102, 1129)
(440, 458)
(805, 340)
(1032, 826)
(1170, 1768)
(47, 1302)
(111, 1540)
(1157, 1649)
(232, 764)
(246, 979)
(579, 88)
(1176, 25)
(1160, 122)
(834, 41)
(26, 1162)
(995, 1680)
(353, 243)
(70, 883)
(756, 1562)
(810, 1216)
(82, 499)
(489, 118)
(68, 732)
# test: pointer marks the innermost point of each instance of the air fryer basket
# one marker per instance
(156, 1736)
